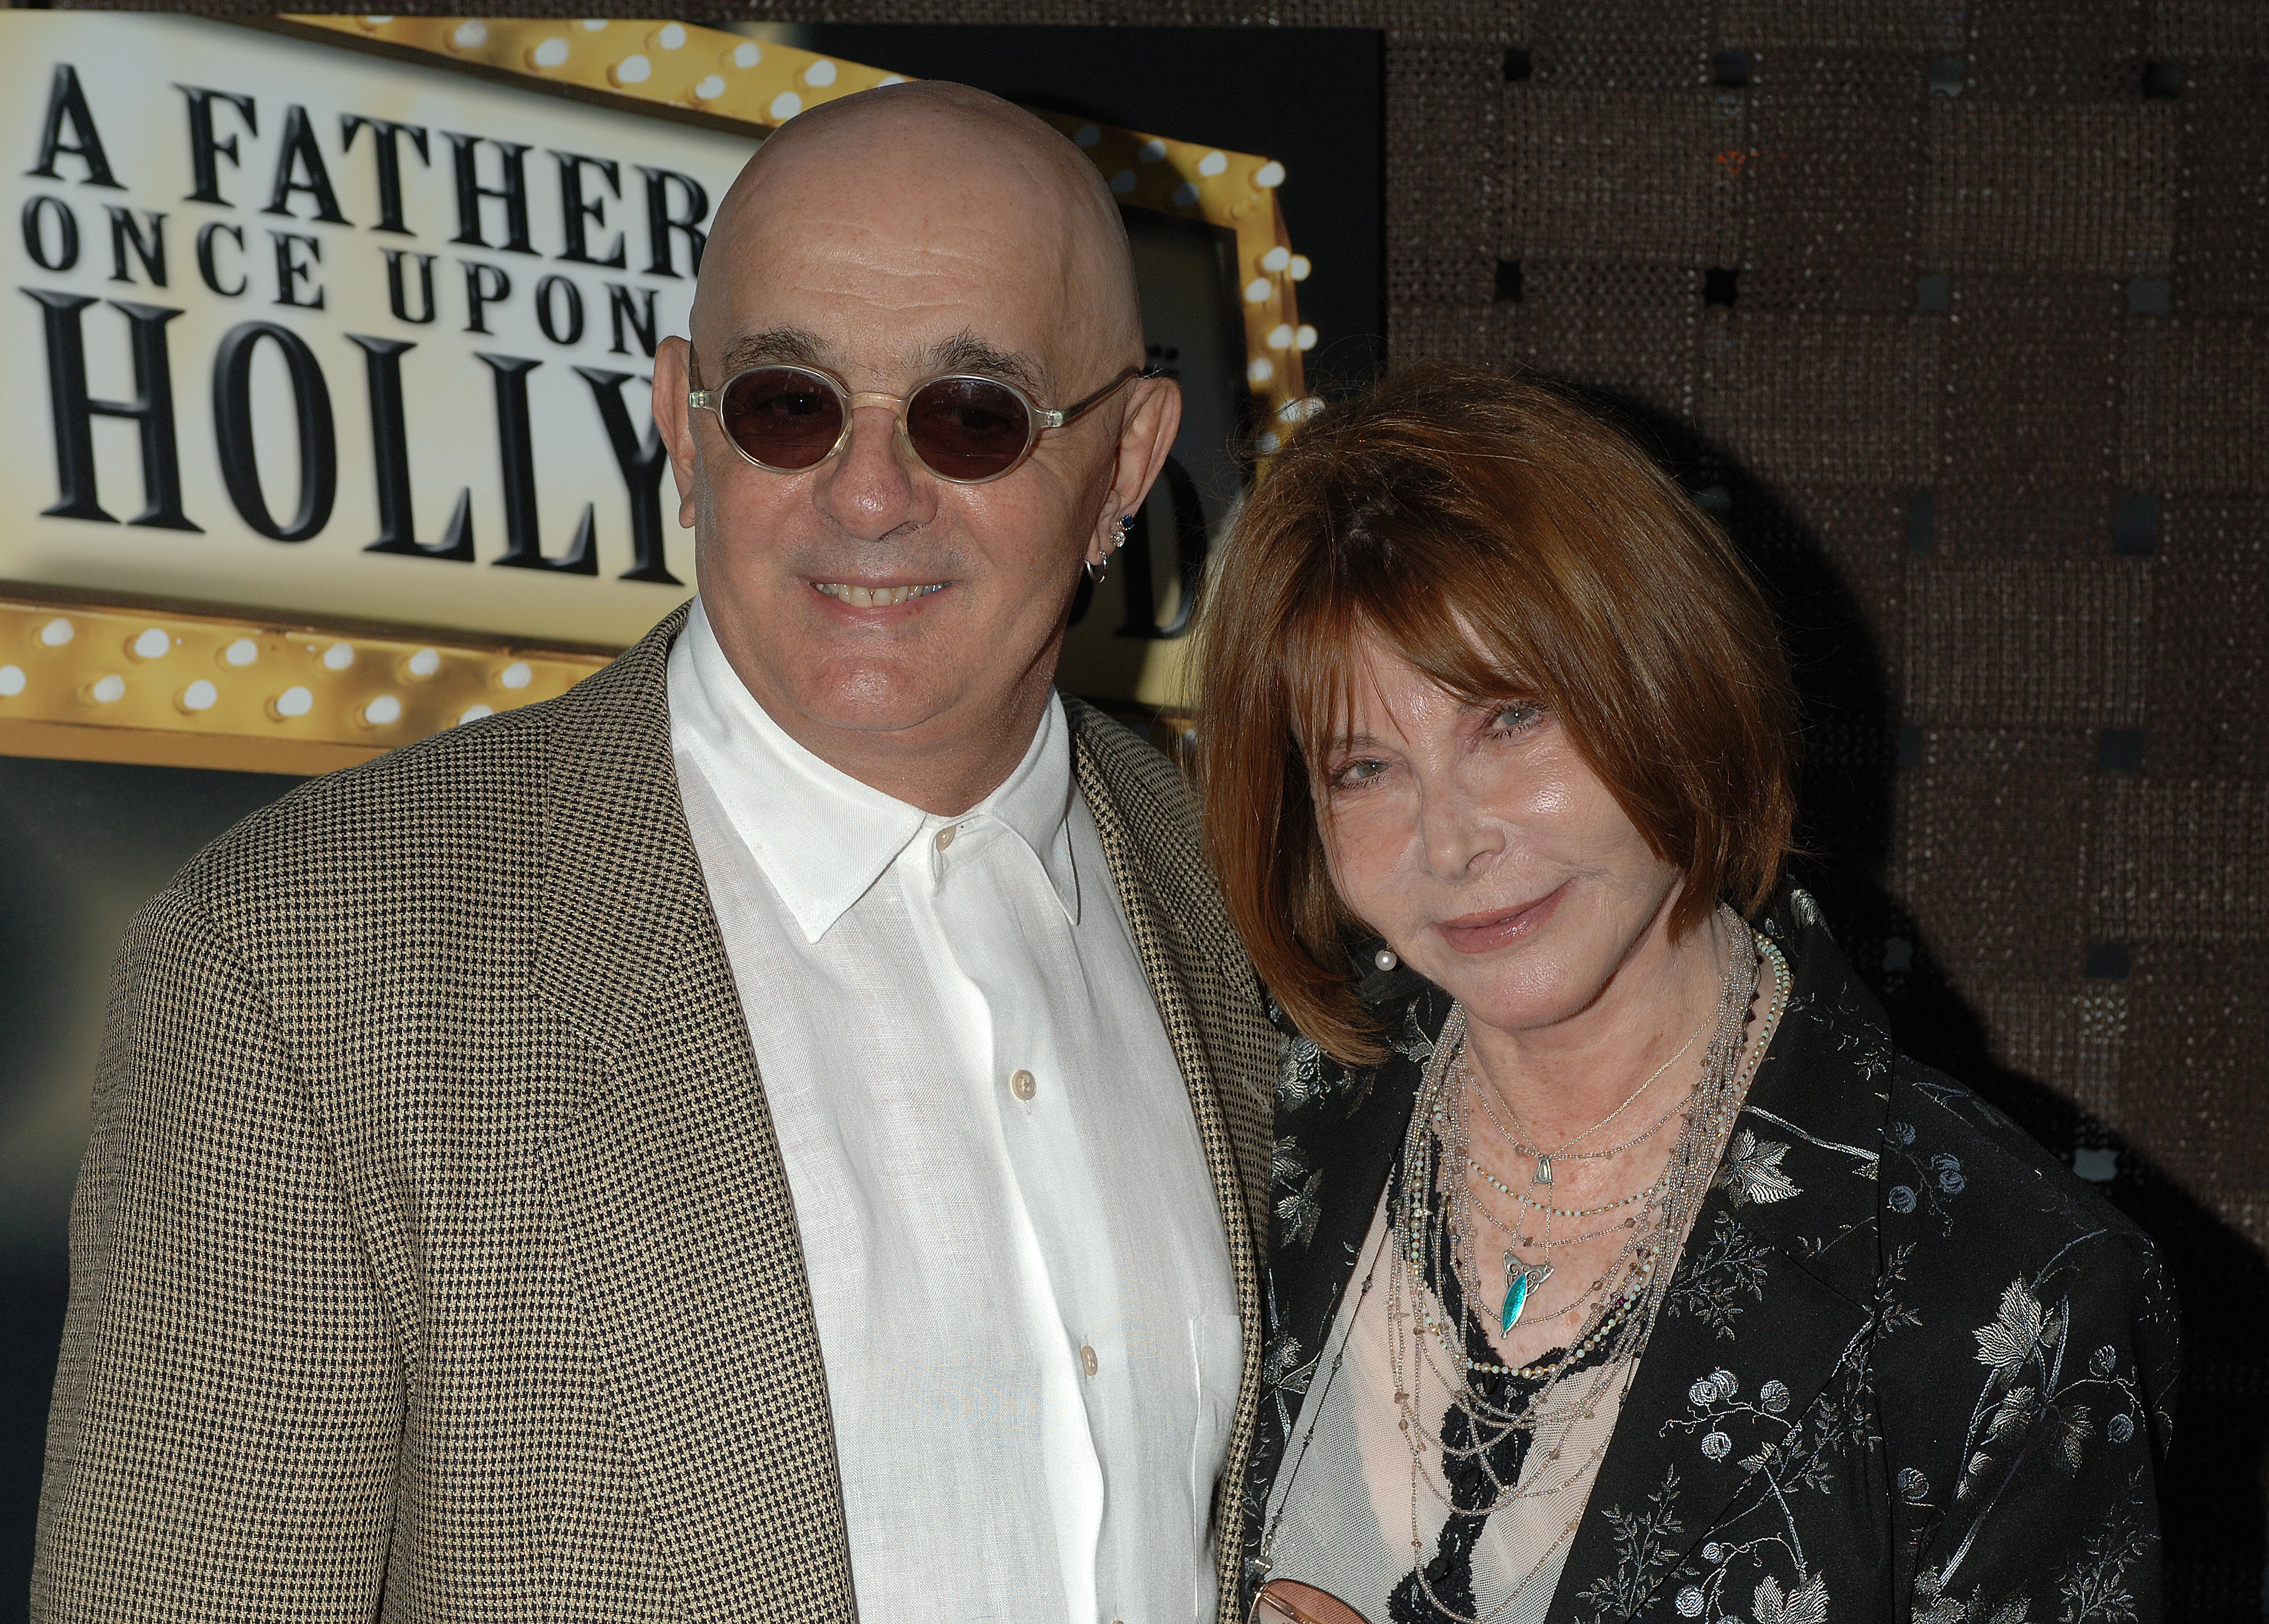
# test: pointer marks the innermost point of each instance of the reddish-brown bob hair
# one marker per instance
(1510, 545)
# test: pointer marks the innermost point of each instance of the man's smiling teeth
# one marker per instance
(875, 597)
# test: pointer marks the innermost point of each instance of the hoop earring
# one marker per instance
(1095, 571)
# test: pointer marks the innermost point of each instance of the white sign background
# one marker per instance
(130, 70)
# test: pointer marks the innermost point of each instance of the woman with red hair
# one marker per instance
(1621, 1265)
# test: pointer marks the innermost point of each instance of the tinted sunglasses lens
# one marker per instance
(968, 428)
(783, 416)
(1286, 1601)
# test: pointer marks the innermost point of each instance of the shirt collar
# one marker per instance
(822, 836)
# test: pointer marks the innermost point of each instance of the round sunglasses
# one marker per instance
(966, 430)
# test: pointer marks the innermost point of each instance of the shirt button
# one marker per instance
(945, 837)
(1088, 1361)
(1022, 1085)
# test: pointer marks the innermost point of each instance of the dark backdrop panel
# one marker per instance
(1309, 97)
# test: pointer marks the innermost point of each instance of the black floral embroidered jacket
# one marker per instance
(1909, 1367)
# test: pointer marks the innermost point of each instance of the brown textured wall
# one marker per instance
(1959, 314)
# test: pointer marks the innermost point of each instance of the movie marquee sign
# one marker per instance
(353, 321)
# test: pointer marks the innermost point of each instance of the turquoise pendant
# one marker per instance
(1519, 1279)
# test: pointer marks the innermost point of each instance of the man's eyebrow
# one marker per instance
(962, 353)
(779, 346)
(967, 353)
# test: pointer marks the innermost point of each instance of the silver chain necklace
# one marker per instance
(1432, 1237)
(1568, 1151)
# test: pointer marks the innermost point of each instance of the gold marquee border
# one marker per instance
(88, 678)
(174, 686)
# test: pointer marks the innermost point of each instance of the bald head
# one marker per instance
(927, 168)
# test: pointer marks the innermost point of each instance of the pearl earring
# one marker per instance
(1385, 958)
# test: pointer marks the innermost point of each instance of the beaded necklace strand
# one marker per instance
(1432, 1231)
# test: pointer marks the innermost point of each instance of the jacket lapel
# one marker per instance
(670, 1194)
(1210, 1004)
(1339, 1130)
(1772, 1300)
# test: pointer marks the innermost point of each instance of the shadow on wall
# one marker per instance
(2215, 1494)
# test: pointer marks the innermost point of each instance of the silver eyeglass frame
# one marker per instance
(1039, 418)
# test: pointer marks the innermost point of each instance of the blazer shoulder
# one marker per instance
(462, 781)
(1943, 1141)
(1143, 782)
(469, 798)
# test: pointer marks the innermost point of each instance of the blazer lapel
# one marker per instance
(670, 1194)
(1339, 1133)
(1211, 1006)
(1771, 1306)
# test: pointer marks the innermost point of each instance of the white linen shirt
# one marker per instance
(1016, 1260)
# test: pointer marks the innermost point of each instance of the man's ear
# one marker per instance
(1154, 416)
(672, 377)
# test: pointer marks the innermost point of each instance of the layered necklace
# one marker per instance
(1523, 1277)
(1498, 1417)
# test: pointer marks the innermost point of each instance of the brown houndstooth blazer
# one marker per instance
(433, 1256)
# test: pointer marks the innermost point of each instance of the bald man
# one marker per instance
(777, 1132)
